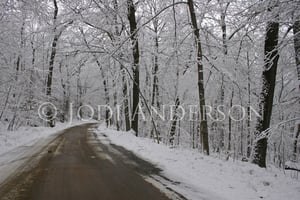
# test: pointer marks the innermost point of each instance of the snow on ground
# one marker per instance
(26, 136)
(17, 146)
(204, 177)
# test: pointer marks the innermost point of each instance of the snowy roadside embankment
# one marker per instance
(26, 136)
(17, 146)
(203, 177)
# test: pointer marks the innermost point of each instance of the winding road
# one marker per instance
(79, 166)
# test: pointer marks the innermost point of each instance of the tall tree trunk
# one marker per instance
(79, 93)
(51, 62)
(123, 72)
(230, 124)
(63, 85)
(296, 31)
(125, 99)
(221, 127)
(135, 67)
(267, 93)
(31, 79)
(19, 61)
(20, 55)
(201, 91)
(106, 94)
(249, 138)
(155, 93)
(154, 90)
(115, 98)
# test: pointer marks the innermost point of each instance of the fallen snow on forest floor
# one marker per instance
(206, 177)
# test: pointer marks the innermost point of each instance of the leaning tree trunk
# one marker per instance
(266, 97)
(201, 91)
(135, 68)
(51, 62)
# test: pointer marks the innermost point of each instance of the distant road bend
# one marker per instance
(78, 166)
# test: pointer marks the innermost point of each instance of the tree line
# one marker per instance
(154, 53)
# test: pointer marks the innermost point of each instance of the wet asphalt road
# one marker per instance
(79, 167)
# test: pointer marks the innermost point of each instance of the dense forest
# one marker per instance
(231, 66)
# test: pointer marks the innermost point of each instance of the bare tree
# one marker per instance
(201, 90)
(51, 62)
